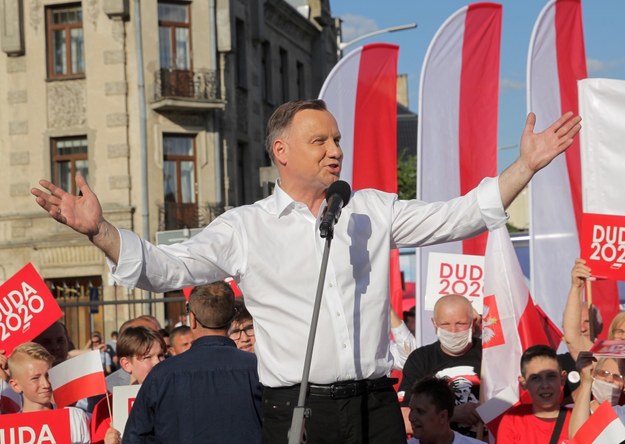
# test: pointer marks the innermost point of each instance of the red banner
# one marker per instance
(47, 426)
(26, 308)
(603, 245)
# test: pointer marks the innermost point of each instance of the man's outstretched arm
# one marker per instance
(537, 151)
(81, 213)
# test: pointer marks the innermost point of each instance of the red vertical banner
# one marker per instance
(556, 62)
(458, 117)
(361, 93)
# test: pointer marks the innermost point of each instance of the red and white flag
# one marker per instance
(511, 323)
(77, 378)
(457, 133)
(361, 93)
(556, 61)
(603, 427)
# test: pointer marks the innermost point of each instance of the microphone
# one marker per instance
(337, 196)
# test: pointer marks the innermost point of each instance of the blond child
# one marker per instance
(28, 367)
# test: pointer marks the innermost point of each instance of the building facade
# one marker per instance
(161, 105)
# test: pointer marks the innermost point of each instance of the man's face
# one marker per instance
(32, 380)
(543, 380)
(55, 341)
(96, 342)
(608, 371)
(425, 420)
(308, 154)
(453, 317)
(139, 366)
(180, 343)
(242, 333)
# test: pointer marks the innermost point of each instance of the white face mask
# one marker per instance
(605, 391)
(454, 342)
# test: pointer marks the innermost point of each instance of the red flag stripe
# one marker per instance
(479, 89)
(530, 323)
(375, 120)
(571, 67)
(79, 388)
(597, 423)
(571, 56)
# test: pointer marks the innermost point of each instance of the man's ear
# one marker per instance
(279, 151)
(126, 364)
(522, 382)
(563, 375)
(443, 416)
(15, 386)
(192, 321)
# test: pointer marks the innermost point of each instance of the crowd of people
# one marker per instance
(205, 383)
(241, 377)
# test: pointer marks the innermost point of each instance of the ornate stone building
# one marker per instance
(168, 128)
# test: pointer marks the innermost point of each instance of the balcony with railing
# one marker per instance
(180, 90)
(176, 216)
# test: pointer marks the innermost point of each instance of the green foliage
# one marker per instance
(406, 175)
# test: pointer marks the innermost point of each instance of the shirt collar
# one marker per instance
(282, 200)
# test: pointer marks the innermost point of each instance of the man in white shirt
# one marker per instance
(273, 250)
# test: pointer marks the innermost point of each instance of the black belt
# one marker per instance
(349, 389)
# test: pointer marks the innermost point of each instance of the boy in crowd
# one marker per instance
(543, 378)
(28, 366)
(242, 328)
(139, 349)
(180, 340)
(432, 405)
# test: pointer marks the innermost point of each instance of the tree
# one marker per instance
(406, 175)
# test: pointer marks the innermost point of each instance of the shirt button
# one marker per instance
(338, 314)
(344, 346)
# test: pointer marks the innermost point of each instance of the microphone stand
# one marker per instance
(301, 412)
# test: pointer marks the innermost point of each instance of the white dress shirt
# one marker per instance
(273, 250)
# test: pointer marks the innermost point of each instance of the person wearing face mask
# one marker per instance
(457, 355)
(604, 381)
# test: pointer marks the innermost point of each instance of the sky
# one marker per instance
(604, 35)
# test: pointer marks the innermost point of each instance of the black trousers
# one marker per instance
(366, 418)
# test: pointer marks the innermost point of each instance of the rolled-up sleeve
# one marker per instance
(489, 201)
(128, 269)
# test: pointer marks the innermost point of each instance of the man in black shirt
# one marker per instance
(457, 355)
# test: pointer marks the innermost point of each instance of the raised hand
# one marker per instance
(82, 213)
(580, 273)
(539, 149)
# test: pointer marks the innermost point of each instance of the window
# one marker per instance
(301, 81)
(284, 74)
(241, 55)
(179, 181)
(242, 173)
(69, 158)
(266, 72)
(174, 31)
(66, 48)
